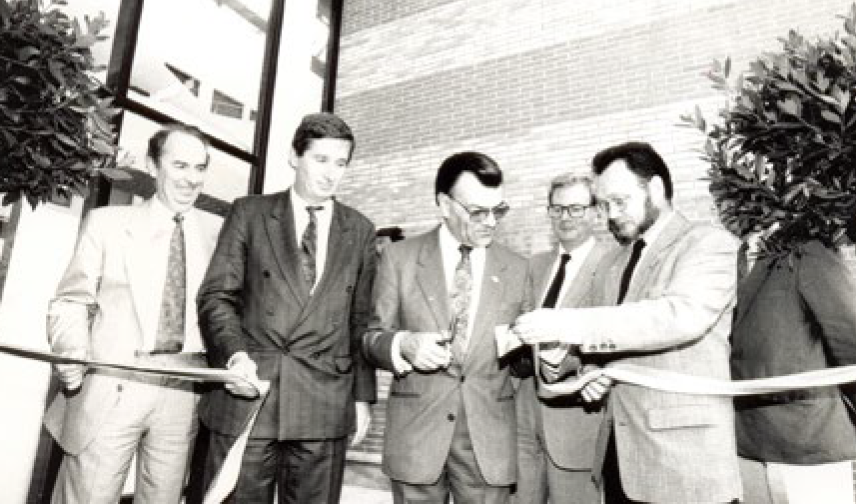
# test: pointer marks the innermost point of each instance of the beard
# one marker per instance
(627, 231)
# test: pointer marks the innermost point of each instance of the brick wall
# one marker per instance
(539, 85)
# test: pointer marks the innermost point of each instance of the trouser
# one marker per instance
(461, 477)
(298, 471)
(155, 418)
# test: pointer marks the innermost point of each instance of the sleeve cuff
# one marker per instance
(399, 363)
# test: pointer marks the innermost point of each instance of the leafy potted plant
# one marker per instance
(55, 117)
(782, 152)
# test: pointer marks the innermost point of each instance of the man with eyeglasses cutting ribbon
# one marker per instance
(437, 299)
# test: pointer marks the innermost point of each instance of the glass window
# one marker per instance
(200, 61)
(228, 177)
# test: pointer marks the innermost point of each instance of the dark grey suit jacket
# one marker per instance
(253, 299)
(795, 314)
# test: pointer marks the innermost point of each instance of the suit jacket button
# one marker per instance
(451, 417)
(463, 378)
(266, 274)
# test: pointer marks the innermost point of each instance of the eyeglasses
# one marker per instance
(617, 203)
(574, 211)
(480, 214)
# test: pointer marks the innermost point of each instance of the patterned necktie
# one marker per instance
(170, 335)
(556, 287)
(460, 300)
(309, 247)
(638, 245)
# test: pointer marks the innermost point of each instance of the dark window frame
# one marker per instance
(119, 78)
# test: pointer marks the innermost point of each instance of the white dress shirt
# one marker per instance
(323, 219)
(161, 227)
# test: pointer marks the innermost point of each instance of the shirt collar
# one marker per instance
(449, 242)
(163, 214)
(580, 250)
(659, 225)
(299, 203)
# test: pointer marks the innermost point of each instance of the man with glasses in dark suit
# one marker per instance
(437, 300)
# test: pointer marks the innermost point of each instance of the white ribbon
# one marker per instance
(227, 476)
(669, 381)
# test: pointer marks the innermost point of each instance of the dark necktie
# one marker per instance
(170, 335)
(309, 247)
(638, 245)
(742, 261)
(460, 301)
(556, 287)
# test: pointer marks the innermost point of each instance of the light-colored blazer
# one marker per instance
(567, 426)
(410, 294)
(107, 304)
(676, 317)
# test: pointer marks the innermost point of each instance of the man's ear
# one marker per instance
(443, 204)
(151, 167)
(657, 190)
(292, 158)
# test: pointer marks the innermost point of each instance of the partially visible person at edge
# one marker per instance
(665, 302)
(437, 299)
(127, 296)
(286, 299)
(556, 438)
(795, 313)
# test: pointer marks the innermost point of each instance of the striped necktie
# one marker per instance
(309, 247)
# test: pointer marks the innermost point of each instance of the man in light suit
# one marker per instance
(665, 303)
(556, 438)
(128, 296)
(437, 299)
(286, 299)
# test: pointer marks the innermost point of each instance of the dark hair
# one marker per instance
(158, 140)
(568, 180)
(641, 159)
(321, 125)
(481, 165)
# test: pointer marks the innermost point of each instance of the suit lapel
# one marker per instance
(748, 289)
(489, 301)
(146, 288)
(580, 284)
(280, 229)
(541, 266)
(674, 230)
(431, 278)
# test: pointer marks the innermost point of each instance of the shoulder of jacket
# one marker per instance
(353, 214)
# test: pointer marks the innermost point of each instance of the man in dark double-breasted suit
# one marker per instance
(286, 299)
